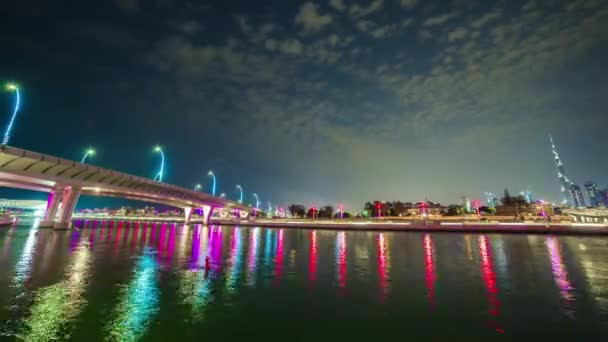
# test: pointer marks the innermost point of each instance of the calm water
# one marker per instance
(131, 281)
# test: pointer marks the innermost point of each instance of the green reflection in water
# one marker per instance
(57, 306)
(139, 303)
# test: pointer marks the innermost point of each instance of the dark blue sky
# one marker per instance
(318, 102)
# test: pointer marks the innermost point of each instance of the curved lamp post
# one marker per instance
(197, 187)
(257, 201)
(89, 152)
(210, 173)
(240, 188)
(269, 208)
(159, 175)
(15, 88)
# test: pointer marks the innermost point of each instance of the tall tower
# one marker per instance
(561, 173)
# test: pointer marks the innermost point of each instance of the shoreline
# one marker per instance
(439, 227)
(525, 227)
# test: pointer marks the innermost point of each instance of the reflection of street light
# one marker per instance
(197, 187)
(210, 173)
(159, 175)
(89, 152)
(241, 190)
(15, 88)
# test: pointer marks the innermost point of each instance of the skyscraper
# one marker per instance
(561, 174)
(593, 194)
(577, 196)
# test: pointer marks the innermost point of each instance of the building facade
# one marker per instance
(593, 194)
(561, 174)
(577, 196)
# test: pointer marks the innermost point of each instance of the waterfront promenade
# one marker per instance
(462, 226)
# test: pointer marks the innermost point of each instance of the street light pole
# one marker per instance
(241, 190)
(159, 175)
(210, 173)
(89, 152)
(15, 88)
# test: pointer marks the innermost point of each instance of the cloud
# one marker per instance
(310, 18)
(358, 11)
(439, 20)
(425, 34)
(364, 25)
(270, 44)
(457, 34)
(338, 5)
(129, 6)
(383, 31)
(484, 19)
(409, 4)
(291, 47)
(187, 27)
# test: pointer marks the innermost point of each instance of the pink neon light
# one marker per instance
(489, 279)
(429, 267)
(382, 277)
(560, 275)
(342, 267)
(278, 267)
(312, 257)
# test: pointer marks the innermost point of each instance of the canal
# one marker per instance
(163, 282)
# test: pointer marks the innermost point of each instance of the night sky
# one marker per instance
(317, 102)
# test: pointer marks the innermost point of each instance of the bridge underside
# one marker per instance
(62, 200)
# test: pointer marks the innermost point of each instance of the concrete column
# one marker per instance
(70, 198)
(187, 215)
(207, 213)
(52, 204)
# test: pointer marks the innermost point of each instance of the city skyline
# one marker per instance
(289, 101)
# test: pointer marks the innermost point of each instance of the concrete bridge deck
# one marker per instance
(66, 180)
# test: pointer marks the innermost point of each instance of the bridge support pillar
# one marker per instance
(70, 198)
(55, 197)
(207, 214)
(187, 215)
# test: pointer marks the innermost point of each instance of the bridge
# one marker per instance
(596, 215)
(22, 204)
(66, 180)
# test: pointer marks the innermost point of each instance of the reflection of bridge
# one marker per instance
(66, 180)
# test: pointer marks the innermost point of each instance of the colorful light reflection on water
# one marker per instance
(136, 281)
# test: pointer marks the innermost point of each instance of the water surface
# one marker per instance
(159, 282)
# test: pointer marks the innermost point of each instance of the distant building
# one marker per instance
(491, 200)
(604, 197)
(527, 195)
(593, 194)
(577, 196)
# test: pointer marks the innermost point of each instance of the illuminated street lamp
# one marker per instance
(210, 173)
(89, 152)
(159, 175)
(197, 187)
(257, 201)
(15, 88)
(269, 208)
(241, 190)
(341, 210)
(223, 195)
